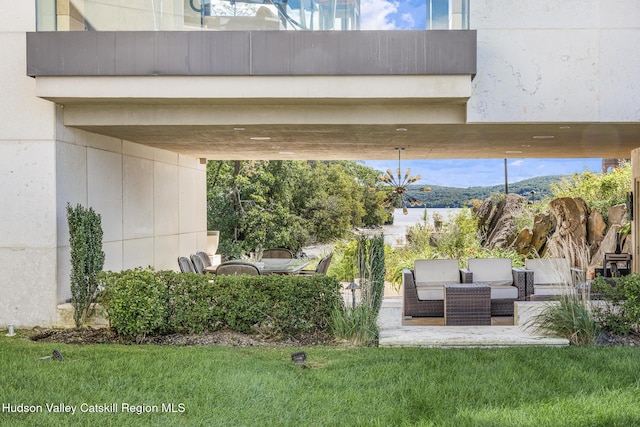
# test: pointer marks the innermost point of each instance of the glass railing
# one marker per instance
(226, 15)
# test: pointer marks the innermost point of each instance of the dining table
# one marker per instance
(281, 265)
(274, 265)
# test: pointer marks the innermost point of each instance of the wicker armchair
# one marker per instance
(507, 284)
(424, 286)
(547, 278)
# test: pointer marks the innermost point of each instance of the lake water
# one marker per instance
(395, 235)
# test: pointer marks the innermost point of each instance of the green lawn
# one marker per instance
(221, 386)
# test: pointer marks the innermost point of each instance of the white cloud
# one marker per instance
(408, 19)
(516, 163)
(374, 14)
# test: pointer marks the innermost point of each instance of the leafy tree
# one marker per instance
(288, 203)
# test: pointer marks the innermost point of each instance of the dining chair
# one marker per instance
(322, 267)
(277, 253)
(237, 268)
(205, 258)
(185, 265)
(198, 263)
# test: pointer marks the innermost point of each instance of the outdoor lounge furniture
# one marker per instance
(277, 253)
(549, 277)
(467, 304)
(237, 268)
(185, 265)
(424, 286)
(615, 265)
(507, 284)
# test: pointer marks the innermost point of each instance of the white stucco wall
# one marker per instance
(27, 178)
(152, 202)
(555, 61)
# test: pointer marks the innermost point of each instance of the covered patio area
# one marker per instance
(431, 332)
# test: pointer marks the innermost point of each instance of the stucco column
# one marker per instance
(635, 223)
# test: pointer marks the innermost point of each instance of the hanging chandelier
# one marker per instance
(398, 196)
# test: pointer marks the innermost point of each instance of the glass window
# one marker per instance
(46, 15)
(447, 14)
(301, 15)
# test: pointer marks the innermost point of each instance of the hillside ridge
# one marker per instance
(456, 197)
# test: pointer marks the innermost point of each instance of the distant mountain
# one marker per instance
(453, 197)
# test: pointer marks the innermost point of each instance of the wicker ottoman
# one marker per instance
(467, 304)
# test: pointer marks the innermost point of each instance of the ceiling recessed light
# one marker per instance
(526, 145)
(513, 152)
(286, 153)
(401, 129)
(565, 127)
(543, 137)
(260, 138)
(238, 128)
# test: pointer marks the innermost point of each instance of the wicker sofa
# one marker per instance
(424, 285)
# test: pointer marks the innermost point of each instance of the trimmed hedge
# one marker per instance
(144, 302)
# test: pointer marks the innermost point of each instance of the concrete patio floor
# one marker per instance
(397, 332)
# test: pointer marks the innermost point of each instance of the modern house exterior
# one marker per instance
(117, 105)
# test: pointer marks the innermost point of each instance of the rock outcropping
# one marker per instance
(568, 230)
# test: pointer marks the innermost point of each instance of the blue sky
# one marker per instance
(411, 15)
(471, 173)
(399, 15)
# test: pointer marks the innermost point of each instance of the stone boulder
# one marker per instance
(522, 244)
(596, 228)
(608, 245)
(618, 214)
(485, 214)
(543, 225)
(502, 231)
(569, 239)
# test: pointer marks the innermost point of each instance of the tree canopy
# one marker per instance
(599, 191)
(289, 203)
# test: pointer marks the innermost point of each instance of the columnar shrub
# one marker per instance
(371, 269)
(87, 258)
(359, 324)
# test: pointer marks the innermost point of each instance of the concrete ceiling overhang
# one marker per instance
(283, 95)
(313, 117)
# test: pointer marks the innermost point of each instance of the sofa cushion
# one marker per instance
(504, 292)
(436, 293)
(431, 293)
(435, 272)
(492, 271)
(551, 289)
(550, 271)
